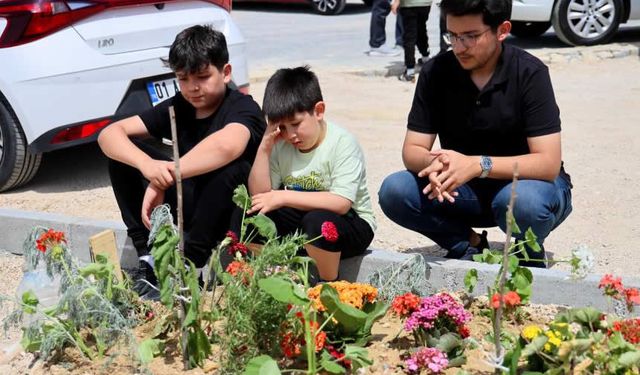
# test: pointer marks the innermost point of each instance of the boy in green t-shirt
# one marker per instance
(308, 172)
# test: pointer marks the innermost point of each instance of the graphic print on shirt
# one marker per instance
(311, 182)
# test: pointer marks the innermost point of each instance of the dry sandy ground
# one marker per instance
(600, 109)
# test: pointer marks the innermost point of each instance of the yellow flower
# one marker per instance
(354, 294)
(530, 332)
(554, 340)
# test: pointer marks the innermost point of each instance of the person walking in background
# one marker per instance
(380, 9)
(414, 14)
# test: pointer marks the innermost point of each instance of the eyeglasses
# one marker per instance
(467, 40)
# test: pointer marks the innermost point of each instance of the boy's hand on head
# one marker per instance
(158, 172)
(153, 197)
(266, 202)
(271, 136)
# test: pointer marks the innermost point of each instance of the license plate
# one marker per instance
(159, 91)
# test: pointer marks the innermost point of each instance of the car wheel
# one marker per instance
(529, 29)
(17, 164)
(328, 7)
(586, 22)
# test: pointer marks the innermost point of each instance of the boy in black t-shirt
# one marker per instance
(218, 132)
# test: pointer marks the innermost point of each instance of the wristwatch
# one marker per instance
(486, 164)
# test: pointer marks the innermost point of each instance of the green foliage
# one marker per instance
(262, 365)
(150, 348)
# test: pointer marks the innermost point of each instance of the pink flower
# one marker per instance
(329, 231)
(437, 311)
(430, 359)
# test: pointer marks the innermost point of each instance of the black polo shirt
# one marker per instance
(516, 103)
(235, 107)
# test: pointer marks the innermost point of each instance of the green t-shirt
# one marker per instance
(414, 3)
(337, 165)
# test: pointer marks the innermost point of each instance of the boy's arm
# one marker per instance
(115, 143)
(301, 200)
(260, 175)
(216, 150)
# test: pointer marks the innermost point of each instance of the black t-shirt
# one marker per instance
(517, 102)
(235, 107)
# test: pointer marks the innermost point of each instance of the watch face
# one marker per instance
(486, 163)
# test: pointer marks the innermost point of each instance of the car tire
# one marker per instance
(586, 25)
(328, 7)
(17, 165)
(529, 29)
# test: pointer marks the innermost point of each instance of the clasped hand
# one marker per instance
(446, 172)
(159, 172)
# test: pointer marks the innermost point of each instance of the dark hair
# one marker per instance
(290, 91)
(196, 47)
(494, 12)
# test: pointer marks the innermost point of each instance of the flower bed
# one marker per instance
(262, 316)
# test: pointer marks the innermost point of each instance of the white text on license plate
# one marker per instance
(159, 91)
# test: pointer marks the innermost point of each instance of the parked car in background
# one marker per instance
(324, 7)
(576, 22)
(68, 68)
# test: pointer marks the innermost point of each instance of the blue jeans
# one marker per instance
(379, 12)
(540, 205)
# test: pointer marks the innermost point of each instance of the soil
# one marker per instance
(388, 345)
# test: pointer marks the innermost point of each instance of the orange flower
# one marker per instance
(290, 345)
(320, 337)
(49, 239)
(240, 268)
(405, 304)
(495, 301)
(511, 299)
(354, 294)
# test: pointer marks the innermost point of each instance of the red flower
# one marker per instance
(612, 286)
(49, 239)
(238, 247)
(495, 301)
(511, 299)
(329, 231)
(320, 337)
(630, 329)
(234, 237)
(632, 297)
(405, 304)
(464, 331)
(290, 345)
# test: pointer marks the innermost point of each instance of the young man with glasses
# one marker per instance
(492, 106)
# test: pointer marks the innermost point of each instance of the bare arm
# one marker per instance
(301, 200)
(215, 151)
(260, 175)
(542, 162)
(415, 150)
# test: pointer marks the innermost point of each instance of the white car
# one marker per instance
(576, 22)
(70, 67)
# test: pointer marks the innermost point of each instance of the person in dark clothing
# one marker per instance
(380, 9)
(218, 133)
(492, 106)
(415, 14)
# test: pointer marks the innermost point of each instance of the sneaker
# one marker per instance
(142, 277)
(407, 77)
(384, 51)
(471, 250)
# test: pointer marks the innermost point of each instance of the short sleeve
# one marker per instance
(244, 110)
(540, 113)
(156, 120)
(348, 170)
(420, 117)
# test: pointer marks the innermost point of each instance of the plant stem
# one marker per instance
(497, 321)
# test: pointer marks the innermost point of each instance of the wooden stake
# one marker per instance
(176, 160)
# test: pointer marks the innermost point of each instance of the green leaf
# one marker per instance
(31, 341)
(266, 227)
(198, 346)
(149, 349)
(447, 342)
(586, 315)
(262, 365)
(30, 302)
(513, 263)
(629, 359)
(283, 290)
(534, 346)
(359, 356)
(374, 312)
(350, 319)
(488, 256)
(241, 197)
(532, 240)
(520, 281)
(515, 229)
(329, 364)
(471, 280)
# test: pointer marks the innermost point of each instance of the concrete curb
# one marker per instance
(549, 286)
